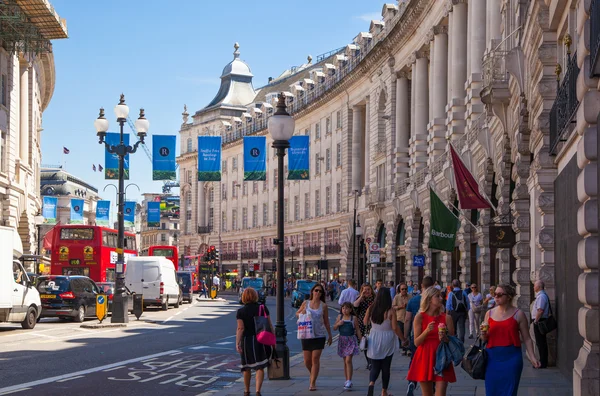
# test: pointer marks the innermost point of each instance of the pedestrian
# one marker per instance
(378, 285)
(349, 294)
(254, 355)
(347, 324)
(383, 339)
(392, 289)
(411, 287)
(400, 303)
(361, 304)
(427, 340)
(313, 347)
(412, 309)
(203, 288)
(457, 306)
(488, 302)
(539, 313)
(503, 329)
(475, 308)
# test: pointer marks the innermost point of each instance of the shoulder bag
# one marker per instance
(262, 328)
(475, 360)
(549, 324)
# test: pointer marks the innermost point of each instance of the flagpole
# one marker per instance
(454, 207)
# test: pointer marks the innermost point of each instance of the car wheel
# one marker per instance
(80, 314)
(165, 305)
(30, 319)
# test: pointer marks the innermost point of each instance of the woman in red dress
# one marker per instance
(427, 340)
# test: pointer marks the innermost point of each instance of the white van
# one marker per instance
(155, 278)
(19, 299)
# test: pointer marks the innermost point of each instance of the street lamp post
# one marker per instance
(292, 250)
(120, 299)
(354, 233)
(358, 232)
(39, 220)
(281, 128)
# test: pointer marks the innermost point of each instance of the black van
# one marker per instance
(184, 279)
(67, 296)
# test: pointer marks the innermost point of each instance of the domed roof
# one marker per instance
(236, 66)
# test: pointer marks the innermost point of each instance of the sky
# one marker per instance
(164, 54)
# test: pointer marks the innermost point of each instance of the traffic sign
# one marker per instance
(419, 260)
(374, 248)
(368, 240)
(101, 310)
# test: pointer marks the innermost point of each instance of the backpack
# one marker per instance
(459, 306)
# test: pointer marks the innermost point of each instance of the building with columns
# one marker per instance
(512, 84)
(168, 230)
(27, 79)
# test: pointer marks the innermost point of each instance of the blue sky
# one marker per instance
(164, 54)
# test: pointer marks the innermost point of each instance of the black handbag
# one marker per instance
(475, 360)
(549, 324)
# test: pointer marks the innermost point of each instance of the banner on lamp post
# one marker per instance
(129, 214)
(298, 158)
(76, 211)
(153, 214)
(209, 158)
(163, 157)
(49, 205)
(103, 213)
(443, 225)
(111, 160)
(255, 158)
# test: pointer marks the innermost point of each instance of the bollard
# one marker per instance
(138, 305)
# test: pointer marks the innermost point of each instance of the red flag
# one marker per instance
(466, 186)
(48, 238)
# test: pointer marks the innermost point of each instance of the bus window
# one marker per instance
(167, 252)
(76, 234)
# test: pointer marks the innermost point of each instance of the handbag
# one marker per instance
(475, 360)
(263, 329)
(364, 343)
(548, 325)
(305, 327)
(275, 368)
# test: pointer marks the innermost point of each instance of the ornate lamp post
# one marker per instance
(292, 250)
(361, 271)
(281, 128)
(120, 298)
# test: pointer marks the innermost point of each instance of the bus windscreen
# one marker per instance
(73, 234)
(163, 252)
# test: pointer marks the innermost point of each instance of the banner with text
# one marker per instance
(163, 157)
(129, 217)
(298, 158)
(209, 158)
(111, 161)
(443, 225)
(76, 211)
(103, 213)
(49, 205)
(255, 158)
(153, 214)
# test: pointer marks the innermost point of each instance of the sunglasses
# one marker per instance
(499, 295)
(403, 289)
(473, 287)
(318, 291)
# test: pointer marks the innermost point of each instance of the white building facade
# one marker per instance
(512, 84)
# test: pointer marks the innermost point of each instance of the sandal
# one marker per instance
(371, 389)
(246, 393)
(257, 394)
(312, 388)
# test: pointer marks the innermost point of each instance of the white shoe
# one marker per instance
(348, 384)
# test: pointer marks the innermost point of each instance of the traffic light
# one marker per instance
(217, 256)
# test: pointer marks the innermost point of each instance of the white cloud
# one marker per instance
(370, 16)
(199, 80)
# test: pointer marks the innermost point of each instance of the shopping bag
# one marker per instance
(263, 329)
(305, 327)
(364, 343)
(275, 369)
(475, 360)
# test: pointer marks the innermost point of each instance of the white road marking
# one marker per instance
(215, 366)
(15, 391)
(28, 385)
(166, 320)
(200, 347)
(112, 369)
(70, 379)
(224, 343)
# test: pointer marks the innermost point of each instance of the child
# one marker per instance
(347, 324)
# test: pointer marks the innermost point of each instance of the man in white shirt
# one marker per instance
(539, 312)
(216, 282)
(350, 294)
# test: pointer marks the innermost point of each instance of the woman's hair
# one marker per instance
(426, 299)
(349, 305)
(382, 304)
(508, 289)
(249, 296)
(322, 291)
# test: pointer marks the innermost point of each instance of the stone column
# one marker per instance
(494, 20)
(201, 205)
(24, 113)
(458, 70)
(402, 126)
(437, 125)
(367, 146)
(418, 140)
(477, 42)
(357, 147)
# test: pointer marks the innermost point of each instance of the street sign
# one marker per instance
(374, 247)
(368, 240)
(101, 310)
(419, 261)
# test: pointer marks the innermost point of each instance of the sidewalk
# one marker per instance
(331, 378)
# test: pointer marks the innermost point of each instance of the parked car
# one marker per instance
(301, 291)
(155, 278)
(257, 284)
(185, 278)
(68, 296)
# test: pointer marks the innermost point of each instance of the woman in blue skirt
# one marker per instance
(501, 329)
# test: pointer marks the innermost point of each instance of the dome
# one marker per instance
(236, 66)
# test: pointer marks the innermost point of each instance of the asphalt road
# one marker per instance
(190, 350)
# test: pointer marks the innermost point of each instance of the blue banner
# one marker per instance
(129, 218)
(255, 158)
(49, 205)
(209, 158)
(153, 214)
(76, 211)
(111, 161)
(103, 213)
(298, 158)
(163, 157)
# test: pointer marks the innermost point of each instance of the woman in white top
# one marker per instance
(476, 306)
(383, 339)
(313, 347)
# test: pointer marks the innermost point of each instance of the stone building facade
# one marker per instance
(166, 233)
(27, 79)
(512, 84)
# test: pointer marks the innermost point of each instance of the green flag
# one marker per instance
(443, 225)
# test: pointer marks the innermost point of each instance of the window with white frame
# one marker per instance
(275, 212)
(255, 216)
(338, 155)
(286, 210)
(266, 182)
(327, 160)
(224, 166)
(189, 145)
(296, 208)
(211, 195)
(265, 215)
(338, 119)
(234, 225)
(328, 125)
(317, 164)
(223, 191)
(317, 203)
(211, 218)
(244, 218)
(223, 221)
(163, 237)
(317, 131)
(338, 197)
(188, 176)
(275, 179)
(244, 188)
(306, 205)
(234, 189)
(234, 163)
(255, 187)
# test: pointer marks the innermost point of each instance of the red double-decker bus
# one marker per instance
(88, 250)
(169, 252)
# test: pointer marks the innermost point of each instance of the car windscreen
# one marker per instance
(305, 287)
(49, 285)
(107, 288)
(257, 283)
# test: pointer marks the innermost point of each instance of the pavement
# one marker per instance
(331, 378)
